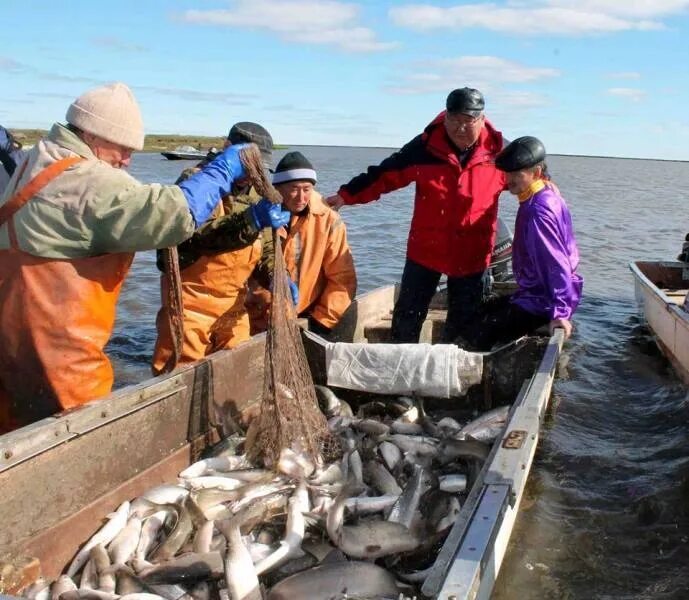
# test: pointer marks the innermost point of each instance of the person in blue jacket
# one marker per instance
(11, 154)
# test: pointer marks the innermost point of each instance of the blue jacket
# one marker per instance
(10, 156)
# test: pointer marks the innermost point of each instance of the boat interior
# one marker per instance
(61, 475)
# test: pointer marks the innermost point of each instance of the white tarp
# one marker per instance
(438, 370)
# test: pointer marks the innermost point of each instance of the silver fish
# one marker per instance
(363, 505)
(331, 474)
(187, 569)
(419, 445)
(350, 579)
(380, 478)
(407, 505)
(38, 590)
(371, 539)
(452, 483)
(64, 583)
(149, 533)
(406, 428)
(203, 537)
(166, 494)
(107, 581)
(217, 463)
(371, 427)
(449, 426)
(240, 574)
(213, 482)
(356, 467)
(88, 594)
(328, 402)
(451, 449)
(390, 454)
(295, 464)
(116, 522)
(89, 576)
(452, 509)
(486, 427)
(124, 545)
(290, 546)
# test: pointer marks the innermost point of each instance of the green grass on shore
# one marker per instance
(154, 142)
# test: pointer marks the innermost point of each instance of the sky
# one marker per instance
(589, 77)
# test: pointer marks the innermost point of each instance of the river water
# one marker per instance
(606, 510)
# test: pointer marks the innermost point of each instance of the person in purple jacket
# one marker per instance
(544, 254)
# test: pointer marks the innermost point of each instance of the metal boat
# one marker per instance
(661, 289)
(184, 153)
(61, 475)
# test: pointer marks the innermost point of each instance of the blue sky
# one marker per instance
(593, 77)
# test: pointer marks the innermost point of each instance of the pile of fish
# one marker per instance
(366, 526)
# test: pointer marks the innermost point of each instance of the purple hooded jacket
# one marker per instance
(545, 257)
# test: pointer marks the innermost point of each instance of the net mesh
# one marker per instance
(289, 417)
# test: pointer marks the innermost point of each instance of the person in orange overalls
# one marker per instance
(317, 255)
(217, 262)
(71, 219)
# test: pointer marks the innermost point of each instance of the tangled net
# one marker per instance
(289, 417)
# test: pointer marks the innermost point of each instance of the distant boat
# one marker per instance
(184, 153)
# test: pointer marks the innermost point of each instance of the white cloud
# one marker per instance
(625, 75)
(198, 95)
(119, 45)
(628, 8)
(633, 94)
(482, 72)
(558, 17)
(11, 65)
(325, 22)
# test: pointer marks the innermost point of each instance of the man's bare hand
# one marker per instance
(562, 323)
(335, 201)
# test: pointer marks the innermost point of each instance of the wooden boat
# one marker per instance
(660, 289)
(184, 153)
(60, 477)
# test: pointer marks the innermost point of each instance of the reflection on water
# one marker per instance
(606, 510)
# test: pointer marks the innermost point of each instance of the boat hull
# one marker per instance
(660, 289)
(62, 475)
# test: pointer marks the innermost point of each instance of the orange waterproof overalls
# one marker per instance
(213, 294)
(56, 315)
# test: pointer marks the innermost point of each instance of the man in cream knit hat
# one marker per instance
(70, 221)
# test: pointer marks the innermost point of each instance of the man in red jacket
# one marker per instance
(455, 212)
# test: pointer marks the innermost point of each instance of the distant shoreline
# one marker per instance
(161, 142)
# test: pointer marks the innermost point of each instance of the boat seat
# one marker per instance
(378, 332)
(676, 296)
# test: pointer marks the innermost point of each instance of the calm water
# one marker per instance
(606, 512)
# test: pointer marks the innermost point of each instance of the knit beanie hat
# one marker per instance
(253, 133)
(109, 112)
(294, 166)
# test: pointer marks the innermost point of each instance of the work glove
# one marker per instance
(294, 290)
(204, 189)
(267, 214)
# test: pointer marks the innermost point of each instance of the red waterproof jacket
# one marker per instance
(455, 207)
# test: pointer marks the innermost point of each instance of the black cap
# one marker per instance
(294, 166)
(522, 153)
(467, 101)
(248, 132)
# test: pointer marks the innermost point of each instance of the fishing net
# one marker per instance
(289, 417)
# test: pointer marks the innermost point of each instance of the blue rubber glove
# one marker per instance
(204, 189)
(294, 290)
(267, 214)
